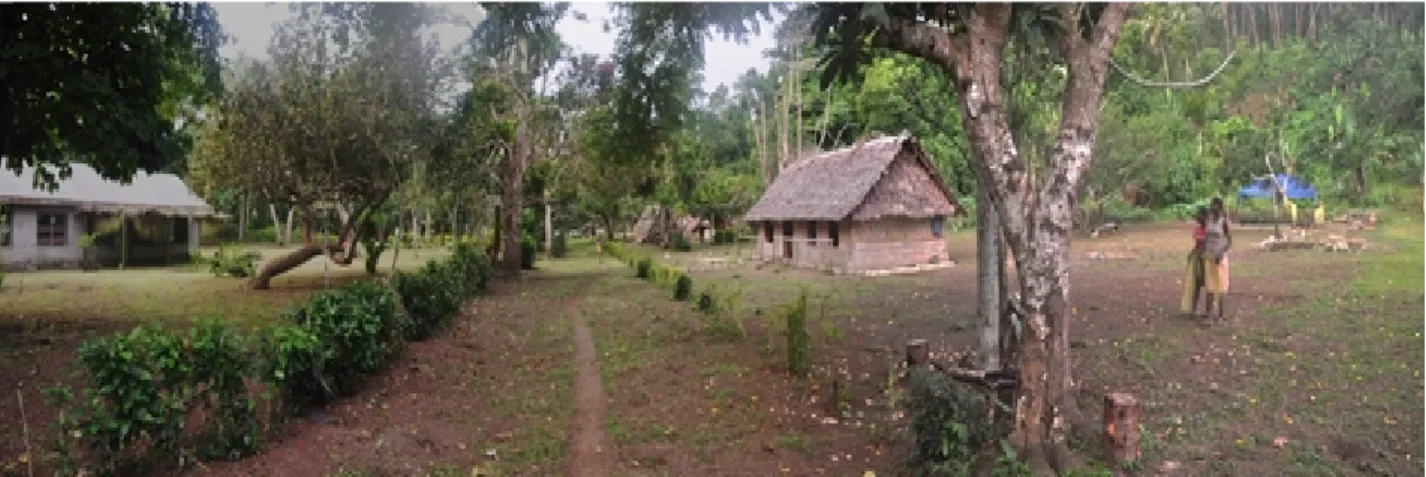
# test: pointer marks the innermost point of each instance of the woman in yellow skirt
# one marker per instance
(1216, 243)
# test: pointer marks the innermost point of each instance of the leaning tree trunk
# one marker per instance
(513, 198)
(342, 253)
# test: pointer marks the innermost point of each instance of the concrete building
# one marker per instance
(153, 220)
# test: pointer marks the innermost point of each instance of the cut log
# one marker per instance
(918, 353)
(1121, 429)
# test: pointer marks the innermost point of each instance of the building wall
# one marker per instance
(894, 242)
(863, 245)
(806, 253)
(24, 250)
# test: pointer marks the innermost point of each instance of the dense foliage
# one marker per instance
(130, 71)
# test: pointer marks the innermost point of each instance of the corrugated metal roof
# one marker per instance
(163, 194)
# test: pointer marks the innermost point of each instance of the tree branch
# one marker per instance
(925, 41)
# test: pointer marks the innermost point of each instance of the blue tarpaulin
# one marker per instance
(1293, 187)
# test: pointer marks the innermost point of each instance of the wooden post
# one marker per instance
(123, 239)
(1121, 428)
(918, 353)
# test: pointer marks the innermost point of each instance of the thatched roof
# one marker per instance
(163, 194)
(831, 185)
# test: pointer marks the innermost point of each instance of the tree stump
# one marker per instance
(918, 353)
(1121, 428)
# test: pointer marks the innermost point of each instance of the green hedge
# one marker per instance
(143, 386)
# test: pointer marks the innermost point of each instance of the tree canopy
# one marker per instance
(103, 84)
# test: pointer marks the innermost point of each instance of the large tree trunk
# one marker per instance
(276, 225)
(549, 225)
(287, 228)
(513, 197)
(1036, 223)
(243, 218)
(498, 236)
(989, 266)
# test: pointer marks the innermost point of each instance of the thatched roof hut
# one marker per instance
(881, 203)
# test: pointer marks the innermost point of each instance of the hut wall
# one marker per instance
(24, 250)
(815, 253)
(893, 242)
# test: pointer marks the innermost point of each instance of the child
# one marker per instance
(1193, 281)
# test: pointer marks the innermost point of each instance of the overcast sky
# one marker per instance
(251, 26)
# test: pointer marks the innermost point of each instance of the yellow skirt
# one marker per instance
(1193, 278)
(1215, 275)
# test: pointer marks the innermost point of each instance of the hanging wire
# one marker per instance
(1172, 84)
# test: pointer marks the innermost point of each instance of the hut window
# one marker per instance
(938, 226)
(812, 233)
(787, 228)
(767, 232)
(51, 229)
(834, 234)
(6, 225)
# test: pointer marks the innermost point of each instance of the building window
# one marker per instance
(938, 226)
(787, 228)
(812, 233)
(767, 232)
(51, 230)
(833, 233)
(7, 223)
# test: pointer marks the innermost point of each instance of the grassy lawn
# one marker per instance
(173, 293)
(1318, 373)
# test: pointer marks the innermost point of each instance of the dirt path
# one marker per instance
(590, 454)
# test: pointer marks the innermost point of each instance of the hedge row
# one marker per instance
(160, 397)
(646, 268)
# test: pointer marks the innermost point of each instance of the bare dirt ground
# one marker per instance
(1318, 373)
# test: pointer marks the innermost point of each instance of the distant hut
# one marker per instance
(877, 205)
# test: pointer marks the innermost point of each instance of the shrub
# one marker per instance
(233, 262)
(680, 243)
(799, 342)
(136, 391)
(643, 267)
(293, 361)
(683, 287)
(949, 422)
(473, 264)
(528, 249)
(144, 384)
(358, 326)
(560, 247)
(724, 236)
(724, 312)
(431, 296)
